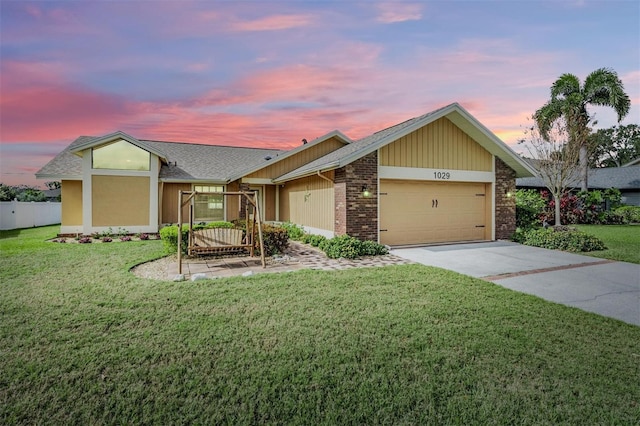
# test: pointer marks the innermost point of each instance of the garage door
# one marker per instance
(416, 212)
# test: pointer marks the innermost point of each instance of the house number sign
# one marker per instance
(442, 175)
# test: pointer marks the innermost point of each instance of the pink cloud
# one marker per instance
(392, 12)
(273, 23)
(36, 105)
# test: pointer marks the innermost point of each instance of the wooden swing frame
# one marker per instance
(220, 246)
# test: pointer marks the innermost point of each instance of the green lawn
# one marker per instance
(84, 342)
(622, 241)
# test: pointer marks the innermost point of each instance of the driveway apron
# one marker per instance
(596, 285)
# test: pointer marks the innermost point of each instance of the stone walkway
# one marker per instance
(298, 256)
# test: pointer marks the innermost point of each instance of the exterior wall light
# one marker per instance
(365, 191)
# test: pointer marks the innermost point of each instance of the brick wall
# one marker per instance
(356, 215)
(505, 205)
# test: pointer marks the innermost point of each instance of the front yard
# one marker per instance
(84, 341)
(622, 241)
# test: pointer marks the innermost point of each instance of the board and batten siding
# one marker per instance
(71, 194)
(309, 202)
(297, 160)
(120, 200)
(438, 145)
(170, 202)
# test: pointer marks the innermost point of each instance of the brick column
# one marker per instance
(505, 207)
(356, 215)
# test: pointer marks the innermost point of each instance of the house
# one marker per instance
(625, 178)
(440, 177)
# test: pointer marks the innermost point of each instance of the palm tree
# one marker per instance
(569, 100)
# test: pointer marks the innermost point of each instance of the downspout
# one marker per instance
(324, 177)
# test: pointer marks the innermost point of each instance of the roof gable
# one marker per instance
(454, 112)
(297, 157)
(116, 136)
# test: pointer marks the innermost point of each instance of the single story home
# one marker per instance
(625, 178)
(440, 177)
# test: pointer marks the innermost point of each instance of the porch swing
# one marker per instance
(221, 240)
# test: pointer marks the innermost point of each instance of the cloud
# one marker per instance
(273, 23)
(393, 12)
(38, 105)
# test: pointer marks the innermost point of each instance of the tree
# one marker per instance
(555, 159)
(7, 193)
(52, 185)
(569, 100)
(615, 146)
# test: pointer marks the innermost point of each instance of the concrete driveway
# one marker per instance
(605, 287)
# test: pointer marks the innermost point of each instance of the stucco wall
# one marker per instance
(120, 200)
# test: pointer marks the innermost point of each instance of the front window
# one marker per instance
(208, 207)
(120, 155)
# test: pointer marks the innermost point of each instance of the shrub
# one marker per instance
(217, 224)
(169, 237)
(275, 239)
(342, 246)
(563, 238)
(530, 207)
(345, 246)
(143, 237)
(370, 248)
(106, 239)
(84, 240)
(295, 232)
(631, 214)
(314, 240)
(125, 238)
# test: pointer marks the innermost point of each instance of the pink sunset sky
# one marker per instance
(267, 74)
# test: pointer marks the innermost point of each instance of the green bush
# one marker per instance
(348, 247)
(295, 232)
(370, 248)
(314, 240)
(562, 238)
(530, 205)
(631, 214)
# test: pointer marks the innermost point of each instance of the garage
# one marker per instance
(425, 212)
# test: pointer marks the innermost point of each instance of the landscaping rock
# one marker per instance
(198, 277)
(178, 277)
(247, 274)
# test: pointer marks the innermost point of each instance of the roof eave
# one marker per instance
(306, 173)
(58, 176)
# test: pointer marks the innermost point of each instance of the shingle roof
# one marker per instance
(368, 144)
(187, 161)
(66, 164)
(208, 162)
(623, 178)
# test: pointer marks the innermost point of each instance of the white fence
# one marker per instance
(20, 214)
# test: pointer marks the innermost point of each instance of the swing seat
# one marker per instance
(217, 240)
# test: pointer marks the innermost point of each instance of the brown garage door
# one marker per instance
(415, 212)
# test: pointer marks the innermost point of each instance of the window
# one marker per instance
(208, 207)
(120, 155)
